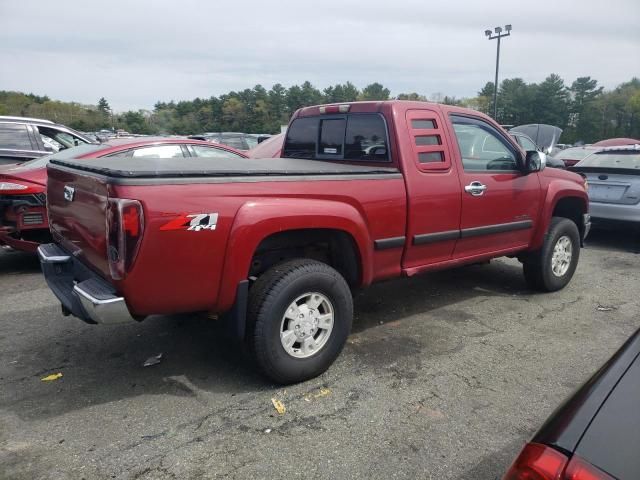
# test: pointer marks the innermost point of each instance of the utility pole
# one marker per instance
(498, 35)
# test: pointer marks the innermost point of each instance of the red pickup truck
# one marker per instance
(363, 192)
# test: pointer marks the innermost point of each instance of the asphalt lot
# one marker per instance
(444, 377)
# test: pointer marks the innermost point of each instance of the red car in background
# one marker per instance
(270, 148)
(23, 216)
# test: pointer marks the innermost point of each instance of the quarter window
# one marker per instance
(481, 147)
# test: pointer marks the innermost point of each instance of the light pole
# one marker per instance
(498, 35)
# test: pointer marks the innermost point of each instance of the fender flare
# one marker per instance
(258, 219)
(557, 190)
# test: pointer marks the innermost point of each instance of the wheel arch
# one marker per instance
(271, 225)
(571, 204)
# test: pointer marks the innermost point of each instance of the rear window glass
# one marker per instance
(332, 136)
(14, 136)
(620, 159)
(355, 137)
(575, 153)
(66, 154)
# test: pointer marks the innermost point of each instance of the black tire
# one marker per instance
(537, 267)
(271, 295)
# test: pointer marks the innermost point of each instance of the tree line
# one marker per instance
(583, 109)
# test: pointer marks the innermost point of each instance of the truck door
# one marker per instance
(500, 203)
(434, 195)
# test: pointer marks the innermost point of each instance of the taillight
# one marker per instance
(579, 469)
(539, 462)
(125, 223)
(12, 188)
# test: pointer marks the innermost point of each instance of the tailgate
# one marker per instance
(614, 188)
(77, 215)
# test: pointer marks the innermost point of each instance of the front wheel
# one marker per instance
(552, 267)
(300, 314)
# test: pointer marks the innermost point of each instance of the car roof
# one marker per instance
(8, 118)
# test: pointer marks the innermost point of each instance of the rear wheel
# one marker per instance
(552, 267)
(300, 314)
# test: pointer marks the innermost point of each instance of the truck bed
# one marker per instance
(165, 168)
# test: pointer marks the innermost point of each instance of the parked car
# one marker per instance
(23, 138)
(528, 144)
(571, 156)
(613, 174)
(595, 434)
(269, 148)
(280, 244)
(543, 135)
(616, 142)
(23, 215)
(239, 141)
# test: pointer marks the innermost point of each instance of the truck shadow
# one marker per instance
(103, 364)
(616, 238)
(396, 299)
(12, 262)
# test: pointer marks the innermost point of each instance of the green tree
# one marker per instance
(374, 91)
(135, 122)
(411, 96)
(515, 102)
(234, 114)
(584, 118)
(551, 103)
(103, 107)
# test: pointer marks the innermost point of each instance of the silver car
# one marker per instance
(613, 175)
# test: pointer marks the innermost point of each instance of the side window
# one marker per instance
(14, 136)
(355, 137)
(62, 139)
(211, 152)
(158, 151)
(481, 147)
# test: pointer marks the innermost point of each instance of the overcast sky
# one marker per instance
(137, 52)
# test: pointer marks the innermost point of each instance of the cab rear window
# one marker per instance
(352, 137)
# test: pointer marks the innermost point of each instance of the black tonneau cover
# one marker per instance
(126, 167)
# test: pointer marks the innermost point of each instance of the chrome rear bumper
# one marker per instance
(81, 292)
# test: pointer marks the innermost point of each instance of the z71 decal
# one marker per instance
(193, 222)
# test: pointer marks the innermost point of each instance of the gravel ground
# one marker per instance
(445, 376)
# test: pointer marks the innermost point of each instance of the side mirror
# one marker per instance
(535, 161)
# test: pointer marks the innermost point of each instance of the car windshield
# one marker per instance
(64, 155)
(619, 159)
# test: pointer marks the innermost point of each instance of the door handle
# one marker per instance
(475, 188)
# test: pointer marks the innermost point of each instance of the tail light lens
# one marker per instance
(12, 188)
(539, 462)
(125, 224)
(579, 469)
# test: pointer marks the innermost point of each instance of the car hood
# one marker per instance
(20, 172)
(545, 136)
(562, 174)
